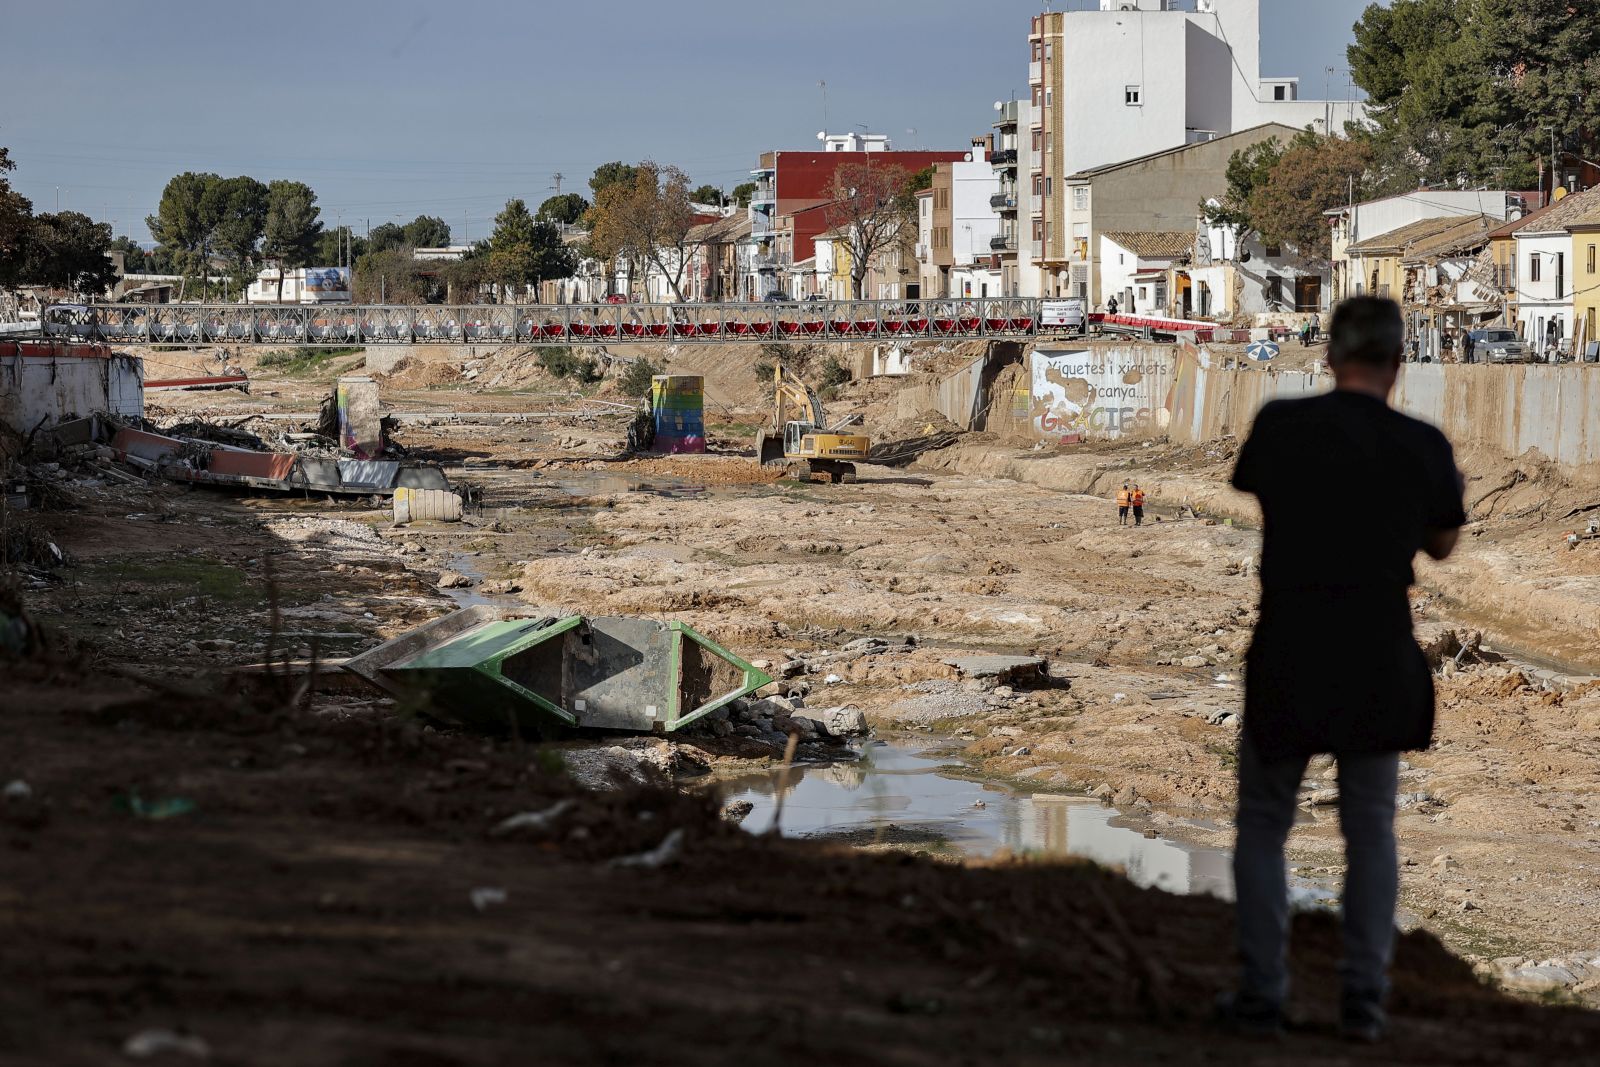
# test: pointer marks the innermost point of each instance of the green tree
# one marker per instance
(707, 194)
(1310, 177)
(566, 209)
(390, 276)
(743, 193)
(16, 224)
(650, 220)
(239, 206)
(427, 231)
(185, 219)
(386, 237)
(67, 250)
(1465, 88)
(613, 173)
(525, 250)
(335, 244)
(293, 232)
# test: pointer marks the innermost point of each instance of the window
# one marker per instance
(1280, 92)
(1591, 259)
(1038, 229)
(1038, 96)
(1561, 274)
(1049, 96)
(1130, 95)
(1533, 268)
(1049, 50)
(1275, 291)
(1080, 199)
(1038, 185)
(1038, 141)
(1038, 50)
(1048, 186)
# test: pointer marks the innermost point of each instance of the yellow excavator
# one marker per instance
(800, 437)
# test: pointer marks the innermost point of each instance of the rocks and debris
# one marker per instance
(736, 811)
(668, 852)
(631, 761)
(485, 897)
(1002, 670)
(453, 580)
(532, 821)
(157, 1042)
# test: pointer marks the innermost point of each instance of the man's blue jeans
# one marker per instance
(1267, 795)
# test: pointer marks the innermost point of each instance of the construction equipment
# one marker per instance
(799, 435)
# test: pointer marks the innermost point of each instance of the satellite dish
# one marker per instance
(822, 135)
(998, 105)
(967, 158)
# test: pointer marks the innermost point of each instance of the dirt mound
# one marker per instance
(412, 373)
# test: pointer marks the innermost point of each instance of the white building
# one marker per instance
(1140, 76)
(1228, 277)
(975, 233)
(300, 285)
(1136, 268)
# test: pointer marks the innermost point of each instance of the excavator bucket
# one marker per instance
(480, 669)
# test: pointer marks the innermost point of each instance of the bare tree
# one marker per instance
(871, 208)
(650, 220)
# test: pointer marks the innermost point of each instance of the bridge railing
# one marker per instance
(554, 324)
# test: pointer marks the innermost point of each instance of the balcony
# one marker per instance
(1035, 72)
(1006, 157)
(1003, 202)
(1003, 242)
(760, 224)
(1036, 249)
(1036, 204)
(921, 252)
(765, 193)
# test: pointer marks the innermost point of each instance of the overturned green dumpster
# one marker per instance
(484, 668)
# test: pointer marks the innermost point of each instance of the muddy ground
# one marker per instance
(371, 833)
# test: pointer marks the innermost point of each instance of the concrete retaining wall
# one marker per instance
(1504, 409)
(1062, 394)
(46, 389)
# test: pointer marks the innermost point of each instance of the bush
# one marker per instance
(834, 373)
(636, 380)
(563, 363)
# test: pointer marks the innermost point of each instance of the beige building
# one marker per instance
(1161, 192)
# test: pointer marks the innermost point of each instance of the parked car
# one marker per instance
(1496, 344)
(616, 298)
(776, 297)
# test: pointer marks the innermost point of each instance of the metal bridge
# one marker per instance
(1009, 318)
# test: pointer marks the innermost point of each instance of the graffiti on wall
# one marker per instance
(1098, 393)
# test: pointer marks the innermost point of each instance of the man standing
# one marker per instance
(1350, 491)
(1136, 498)
(1124, 498)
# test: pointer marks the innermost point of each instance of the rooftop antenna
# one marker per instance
(824, 87)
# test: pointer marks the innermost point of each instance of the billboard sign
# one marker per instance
(1062, 314)
(324, 284)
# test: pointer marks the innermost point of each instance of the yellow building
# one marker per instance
(1585, 230)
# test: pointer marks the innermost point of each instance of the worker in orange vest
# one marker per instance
(1136, 498)
(1124, 501)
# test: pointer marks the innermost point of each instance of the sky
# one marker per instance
(393, 109)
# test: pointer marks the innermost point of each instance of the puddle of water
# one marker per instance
(919, 793)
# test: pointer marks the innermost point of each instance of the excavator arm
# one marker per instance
(793, 401)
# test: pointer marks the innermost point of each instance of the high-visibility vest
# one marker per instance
(1122, 498)
(1138, 498)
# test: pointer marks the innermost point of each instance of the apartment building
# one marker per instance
(961, 233)
(791, 185)
(1005, 163)
(1134, 78)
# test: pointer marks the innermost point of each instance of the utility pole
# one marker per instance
(1550, 197)
(558, 176)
